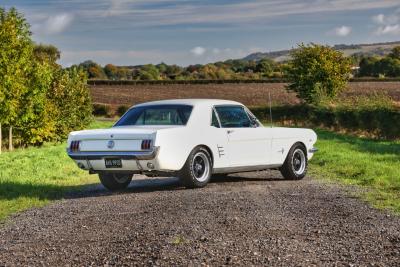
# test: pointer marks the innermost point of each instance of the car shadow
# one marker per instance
(147, 185)
(13, 190)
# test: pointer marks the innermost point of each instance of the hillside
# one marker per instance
(378, 49)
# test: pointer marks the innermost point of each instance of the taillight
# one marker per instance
(146, 144)
(74, 147)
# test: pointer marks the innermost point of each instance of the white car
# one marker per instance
(192, 139)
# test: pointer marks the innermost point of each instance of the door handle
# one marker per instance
(230, 131)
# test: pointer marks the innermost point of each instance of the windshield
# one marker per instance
(156, 115)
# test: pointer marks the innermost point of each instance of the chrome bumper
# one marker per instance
(313, 150)
(96, 155)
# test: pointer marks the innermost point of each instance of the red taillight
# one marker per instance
(146, 144)
(74, 147)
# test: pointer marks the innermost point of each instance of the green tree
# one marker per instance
(16, 50)
(93, 70)
(265, 67)
(69, 101)
(30, 82)
(369, 67)
(111, 71)
(48, 53)
(148, 72)
(317, 72)
(395, 53)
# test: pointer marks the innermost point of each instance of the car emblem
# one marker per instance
(110, 144)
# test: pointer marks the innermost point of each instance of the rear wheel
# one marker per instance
(115, 181)
(295, 165)
(197, 170)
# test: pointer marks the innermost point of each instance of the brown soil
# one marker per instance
(252, 94)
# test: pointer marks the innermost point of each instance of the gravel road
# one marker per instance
(248, 219)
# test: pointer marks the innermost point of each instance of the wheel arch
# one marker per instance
(208, 150)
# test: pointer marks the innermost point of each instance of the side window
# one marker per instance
(214, 120)
(233, 117)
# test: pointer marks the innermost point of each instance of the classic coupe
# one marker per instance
(192, 139)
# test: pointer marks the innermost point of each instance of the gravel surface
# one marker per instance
(247, 219)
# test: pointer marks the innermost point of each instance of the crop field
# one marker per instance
(251, 94)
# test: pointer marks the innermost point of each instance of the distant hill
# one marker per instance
(377, 49)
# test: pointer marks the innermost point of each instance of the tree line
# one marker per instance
(227, 70)
(235, 69)
(39, 100)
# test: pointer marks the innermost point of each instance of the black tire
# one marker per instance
(115, 181)
(191, 175)
(296, 163)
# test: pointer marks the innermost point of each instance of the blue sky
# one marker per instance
(187, 32)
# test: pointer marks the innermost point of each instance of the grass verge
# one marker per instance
(374, 165)
(33, 176)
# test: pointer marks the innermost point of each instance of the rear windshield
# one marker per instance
(157, 115)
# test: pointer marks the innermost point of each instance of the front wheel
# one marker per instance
(295, 165)
(197, 170)
(115, 181)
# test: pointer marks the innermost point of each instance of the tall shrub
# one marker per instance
(70, 101)
(317, 72)
(16, 50)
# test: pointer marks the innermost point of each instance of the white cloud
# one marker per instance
(198, 51)
(388, 24)
(53, 24)
(389, 29)
(341, 31)
(380, 19)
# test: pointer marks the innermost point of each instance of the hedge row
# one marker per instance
(270, 80)
(372, 122)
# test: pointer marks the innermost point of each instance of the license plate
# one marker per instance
(113, 163)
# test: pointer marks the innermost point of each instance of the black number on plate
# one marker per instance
(113, 163)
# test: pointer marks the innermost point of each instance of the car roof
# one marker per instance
(193, 102)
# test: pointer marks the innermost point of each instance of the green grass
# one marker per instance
(370, 164)
(32, 177)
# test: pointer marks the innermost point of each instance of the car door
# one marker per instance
(247, 144)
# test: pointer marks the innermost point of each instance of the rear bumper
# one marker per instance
(96, 155)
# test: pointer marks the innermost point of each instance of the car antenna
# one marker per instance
(270, 108)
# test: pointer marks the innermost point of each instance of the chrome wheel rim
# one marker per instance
(298, 162)
(121, 178)
(200, 167)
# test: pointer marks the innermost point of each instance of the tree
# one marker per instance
(149, 72)
(317, 72)
(111, 71)
(94, 70)
(48, 53)
(368, 67)
(16, 50)
(69, 101)
(265, 67)
(395, 53)
(29, 85)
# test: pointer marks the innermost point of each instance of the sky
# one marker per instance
(186, 32)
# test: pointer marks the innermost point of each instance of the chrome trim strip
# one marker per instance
(313, 150)
(246, 168)
(93, 155)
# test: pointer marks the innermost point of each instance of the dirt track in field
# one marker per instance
(251, 94)
(249, 219)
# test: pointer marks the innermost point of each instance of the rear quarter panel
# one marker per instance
(177, 143)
